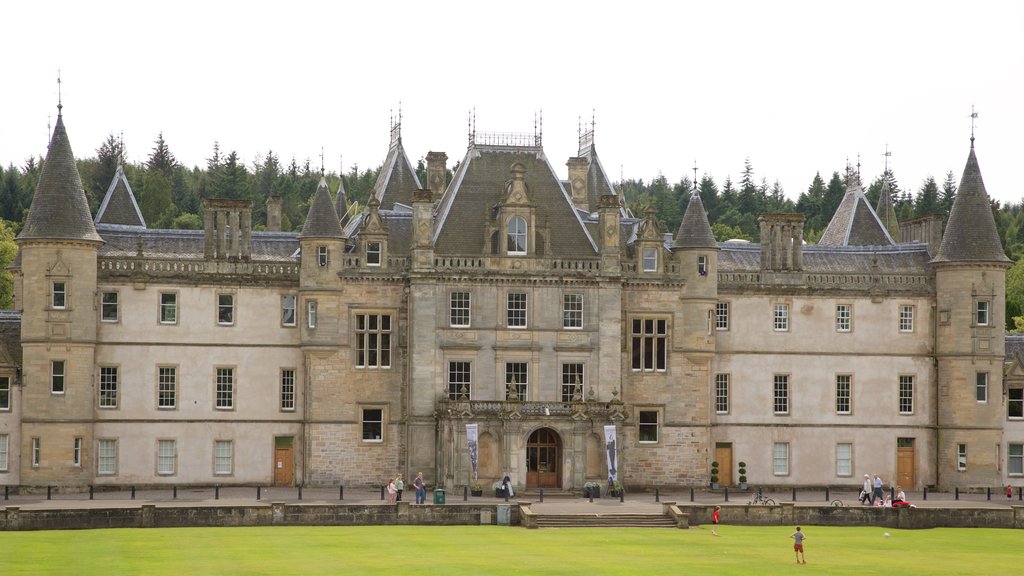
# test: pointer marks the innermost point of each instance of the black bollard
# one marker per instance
(175, 495)
(382, 493)
(826, 494)
(465, 493)
(657, 495)
(7, 493)
(300, 491)
(988, 493)
(506, 496)
(591, 494)
(726, 493)
(924, 494)
(956, 493)
(90, 491)
(892, 493)
(216, 492)
(258, 492)
(49, 490)
(341, 492)
(541, 494)
(691, 494)
(794, 494)
(1020, 493)
(622, 495)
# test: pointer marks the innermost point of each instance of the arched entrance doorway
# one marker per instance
(543, 458)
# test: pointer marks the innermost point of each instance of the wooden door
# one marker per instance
(905, 460)
(284, 465)
(723, 455)
(543, 457)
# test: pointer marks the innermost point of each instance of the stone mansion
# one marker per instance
(528, 305)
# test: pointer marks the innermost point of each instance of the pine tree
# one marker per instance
(161, 158)
(927, 200)
(109, 156)
(948, 193)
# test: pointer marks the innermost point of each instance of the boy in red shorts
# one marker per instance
(798, 546)
(714, 521)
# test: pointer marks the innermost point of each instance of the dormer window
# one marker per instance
(373, 253)
(516, 236)
(702, 265)
(321, 256)
(650, 261)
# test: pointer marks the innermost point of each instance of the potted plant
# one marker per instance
(475, 489)
(616, 488)
(714, 475)
(591, 490)
(743, 475)
(499, 489)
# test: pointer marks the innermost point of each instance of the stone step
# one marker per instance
(605, 521)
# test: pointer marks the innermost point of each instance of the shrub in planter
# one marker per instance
(615, 488)
(714, 474)
(591, 490)
(743, 475)
(476, 489)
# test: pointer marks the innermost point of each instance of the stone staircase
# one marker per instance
(599, 520)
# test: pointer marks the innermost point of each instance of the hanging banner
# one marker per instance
(471, 442)
(613, 461)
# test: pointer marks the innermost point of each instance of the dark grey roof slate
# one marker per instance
(322, 220)
(1015, 347)
(59, 210)
(119, 205)
(885, 210)
(10, 338)
(894, 259)
(189, 244)
(855, 223)
(970, 234)
(341, 203)
(598, 183)
(694, 229)
(397, 179)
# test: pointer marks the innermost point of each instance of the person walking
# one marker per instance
(421, 488)
(399, 486)
(865, 491)
(392, 491)
(714, 521)
(1009, 492)
(876, 492)
(798, 546)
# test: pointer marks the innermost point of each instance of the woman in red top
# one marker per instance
(714, 521)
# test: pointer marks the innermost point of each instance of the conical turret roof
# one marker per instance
(119, 205)
(855, 223)
(695, 230)
(322, 219)
(970, 234)
(60, 210)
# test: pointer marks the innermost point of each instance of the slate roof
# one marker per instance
(60, 210)
(397, 179)
(970, 234)
(694, 229)
(1015, 347)
(885, 210)
(479, 186)
(341, 202)
(894, 259)
(598, 183)
(10, 338)
(322, 219)
(122, 241)
(119, 205)
(855, 223)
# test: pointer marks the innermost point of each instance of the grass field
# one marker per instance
(489, 550)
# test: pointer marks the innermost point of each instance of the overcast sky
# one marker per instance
(798, 87)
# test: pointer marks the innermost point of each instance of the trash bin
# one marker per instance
(438, 496)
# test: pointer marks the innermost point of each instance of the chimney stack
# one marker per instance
(274, 213)
(228, 229)
(782, 238)
(578, 182)
(436, 173)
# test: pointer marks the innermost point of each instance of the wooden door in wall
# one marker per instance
(905, 460)
(284, 462)
(543, 455)
(723, 455)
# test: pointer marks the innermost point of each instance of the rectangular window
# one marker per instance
(373, 341)
(288, 390)
(225, 392)
(906, 318)
(572, 311)
(516, 377)
(321, 256)
(57, 377)
(458, 310)
(781, 405)
(166, 457)
(906, 394)
(722, 316)
(780, 459)
(648, 426)
(168, 307)
(721, 393)
(844, 393)
(225, 309)
(572, 382)
(961, 457)
(288, 310)
(1015, 403)
(459, 380)
(76, 456)
(311, 313)
(4, 452)
(981, 387)
(844, 459)
(108, 307)
(516, 310)
(107, 463)
(108, 387)
(702, 265)
(5, 393)
(373, 253)
(650, 262)
(981, 312)
(1015, 459)
(167, 387)
(223, 457)
(373, 425)
(59, 295)
(781, 317)
(37, 450)
(649, 343)
(844, 316)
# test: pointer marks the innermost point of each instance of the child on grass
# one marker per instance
(798, 545)
(714, 521)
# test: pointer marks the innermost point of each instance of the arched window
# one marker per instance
(516, 236)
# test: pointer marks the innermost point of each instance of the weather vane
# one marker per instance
(694, 174)
(60, 104)
(887, 154)
(974, 116)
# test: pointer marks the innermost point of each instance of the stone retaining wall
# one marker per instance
(787, 514)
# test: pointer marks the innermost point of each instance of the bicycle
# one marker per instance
(759, 498)
(838, 503)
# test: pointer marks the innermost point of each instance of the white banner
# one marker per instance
(613, 460)
(471, 442)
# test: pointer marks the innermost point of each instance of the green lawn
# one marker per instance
(490, 550)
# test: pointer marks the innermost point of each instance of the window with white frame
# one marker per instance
(167, 387)
(981, 387)
(650, 259)
(168, 307)
(781, 322)
(223, 457)
(906, 394)
(37, 452)
(722, 316)
(1015, 459)
(515, 309)
(4, 452)
(59, 295)
(844, 459)
(57, 377)
(844, 394)
(572, 382)
(225, 389)
(311, 313)
(5, 393)
(516, 237)
(459, 310)
(373, 340)
(321, 256)
(781, 394)
(373, 424)
(648, 426)
(981, 312)
(516, 380)
(108, 387)
(108, 307)
(572, 311)
(107, 457)
(702, 265)
(780, 459)
(844, 317)
(459, 380)
(76, 454)
(166, 457)
(961, 457)
(721, 393)
(373, 253)
(287, 389)
(906, 318)
(649, 344)
(1015, 403)
(288, 305)
(225, 309)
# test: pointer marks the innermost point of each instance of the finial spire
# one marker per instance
(60, 104)
(321, 160)
(888, 154)
(120, 148)
(695, 175)
(858, 165)
(974, 116)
